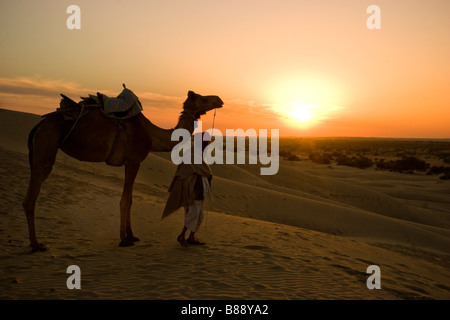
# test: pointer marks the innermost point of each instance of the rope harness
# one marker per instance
(74, 125)
(214, 119)
(212, 134)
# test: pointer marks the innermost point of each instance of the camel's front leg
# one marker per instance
(29, 205)
(126, 234)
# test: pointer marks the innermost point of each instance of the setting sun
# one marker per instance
(305, 101)
(301, 115)
(298, 113)
(301, 112)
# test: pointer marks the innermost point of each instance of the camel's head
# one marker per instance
(198, 105)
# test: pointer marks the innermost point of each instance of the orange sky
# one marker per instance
(308, 68)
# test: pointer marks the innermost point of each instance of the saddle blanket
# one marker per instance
(126, 104)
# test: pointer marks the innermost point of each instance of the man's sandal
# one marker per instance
(182, 241)
(195, 242)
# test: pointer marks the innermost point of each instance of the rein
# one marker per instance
(214, 119)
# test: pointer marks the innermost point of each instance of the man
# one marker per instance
(190, 187)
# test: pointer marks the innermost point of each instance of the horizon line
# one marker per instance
(297, 137)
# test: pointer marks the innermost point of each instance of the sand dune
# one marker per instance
(309, 232)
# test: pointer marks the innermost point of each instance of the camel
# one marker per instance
(95, 137)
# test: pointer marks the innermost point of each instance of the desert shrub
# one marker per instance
(381, 164)
(284, 153)
(321, 158)
(343, 160)
(288, 155)
(445, 176)
(438, 170)
(292, 157)
(357, 162)
(363, 162)
(444, 156)
(336, 154)
(410, 164)
(406, 164)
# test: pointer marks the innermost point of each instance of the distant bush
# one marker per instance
(284, 153)
(406, 164)
(445, 176)
(336, 154)
(288, 155)
(357, 162)
(445, 156)
(292, 157)
(363, 162)
(321, 158)
(438, 170)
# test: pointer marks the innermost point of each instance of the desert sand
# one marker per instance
(309, 232)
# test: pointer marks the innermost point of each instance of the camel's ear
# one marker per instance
(191, 94)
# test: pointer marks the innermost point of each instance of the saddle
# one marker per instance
(126, 105)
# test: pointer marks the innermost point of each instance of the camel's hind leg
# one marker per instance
(43, 149)
(126, 234)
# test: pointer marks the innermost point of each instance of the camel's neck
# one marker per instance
(161, 138)
(186, 121)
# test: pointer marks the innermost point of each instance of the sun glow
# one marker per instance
(305, 116)
(307, 101)
(301, 113)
